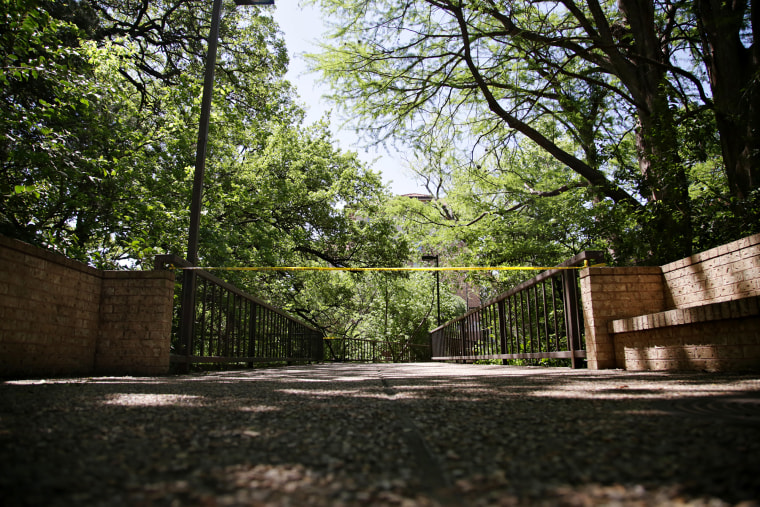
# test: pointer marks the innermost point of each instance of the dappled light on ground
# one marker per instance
(150, 400)
(382, 434)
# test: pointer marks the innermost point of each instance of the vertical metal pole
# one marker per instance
(502, 310)
(188, 284)
(438, 289)
(202, 318)
(520, 330)
(187, 316)
(554, 313)
(200, 154)
(289, 338)
(545, 315)
(530, 319)
(437, 282)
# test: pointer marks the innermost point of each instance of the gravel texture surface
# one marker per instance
(382, 434)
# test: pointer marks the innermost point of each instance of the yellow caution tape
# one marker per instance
(323, 268)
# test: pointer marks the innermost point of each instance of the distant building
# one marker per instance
(419, 197)
(469, 293)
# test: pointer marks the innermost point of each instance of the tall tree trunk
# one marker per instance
(668, 228)
(665, 184)
(733, 69)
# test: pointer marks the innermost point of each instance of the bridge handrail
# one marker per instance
(497, 328)
(168, 260)
(248, 329)
(587, 256)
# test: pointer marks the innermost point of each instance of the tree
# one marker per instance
(298, 200)
(530, 215)
(488, 73)
(45, 95)
(91, 168)
(397, 309)
(100, 110)
(732, 57)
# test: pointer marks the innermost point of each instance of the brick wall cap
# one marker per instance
(47, 255)
(733, 309)
(62, 260)
(143, 275)
(734, 246)
(622, 270)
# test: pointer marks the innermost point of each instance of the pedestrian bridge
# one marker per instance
(539, 319)
(60, 317)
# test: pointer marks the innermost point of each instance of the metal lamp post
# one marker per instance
(188, 286)
(437, 282)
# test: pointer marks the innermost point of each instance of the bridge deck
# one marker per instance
(383, 434)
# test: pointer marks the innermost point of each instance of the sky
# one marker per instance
(302, 27)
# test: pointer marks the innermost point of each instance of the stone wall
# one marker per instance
(613, 293)
(61, 317)
(725, 273)
(699, 313)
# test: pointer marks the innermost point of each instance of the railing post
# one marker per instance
(289, 341)
(570, 294)
(502, 313)
(460, 343)
(187, 310)
(251, 349)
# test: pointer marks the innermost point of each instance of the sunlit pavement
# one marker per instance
(383, 434)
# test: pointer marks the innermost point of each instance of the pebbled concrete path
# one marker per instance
(383, 434)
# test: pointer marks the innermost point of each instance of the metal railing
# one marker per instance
(374, 351)
(229, 326)
(539, 319)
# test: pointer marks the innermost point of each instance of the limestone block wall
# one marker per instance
(61, 317)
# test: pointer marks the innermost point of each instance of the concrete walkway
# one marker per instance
(381, 434)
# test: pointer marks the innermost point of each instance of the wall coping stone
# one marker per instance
(621, 270)
(47, 255)
(712, 253)
(62, 260)
(734, 309)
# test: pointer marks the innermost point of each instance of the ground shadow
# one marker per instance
(381, 434)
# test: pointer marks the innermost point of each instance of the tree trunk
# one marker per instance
(733, 70)
(664, 181)
(668, 227)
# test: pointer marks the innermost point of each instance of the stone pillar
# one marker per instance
(135, 323)
(616, 293)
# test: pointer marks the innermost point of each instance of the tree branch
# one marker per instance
(594, 176)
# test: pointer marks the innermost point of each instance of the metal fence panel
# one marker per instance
(376, 351)
(538, 319)
(227, 325)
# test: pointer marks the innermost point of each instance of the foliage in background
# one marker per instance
(623, 98)
(532, 129)
(100, 125)
(100, 106)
